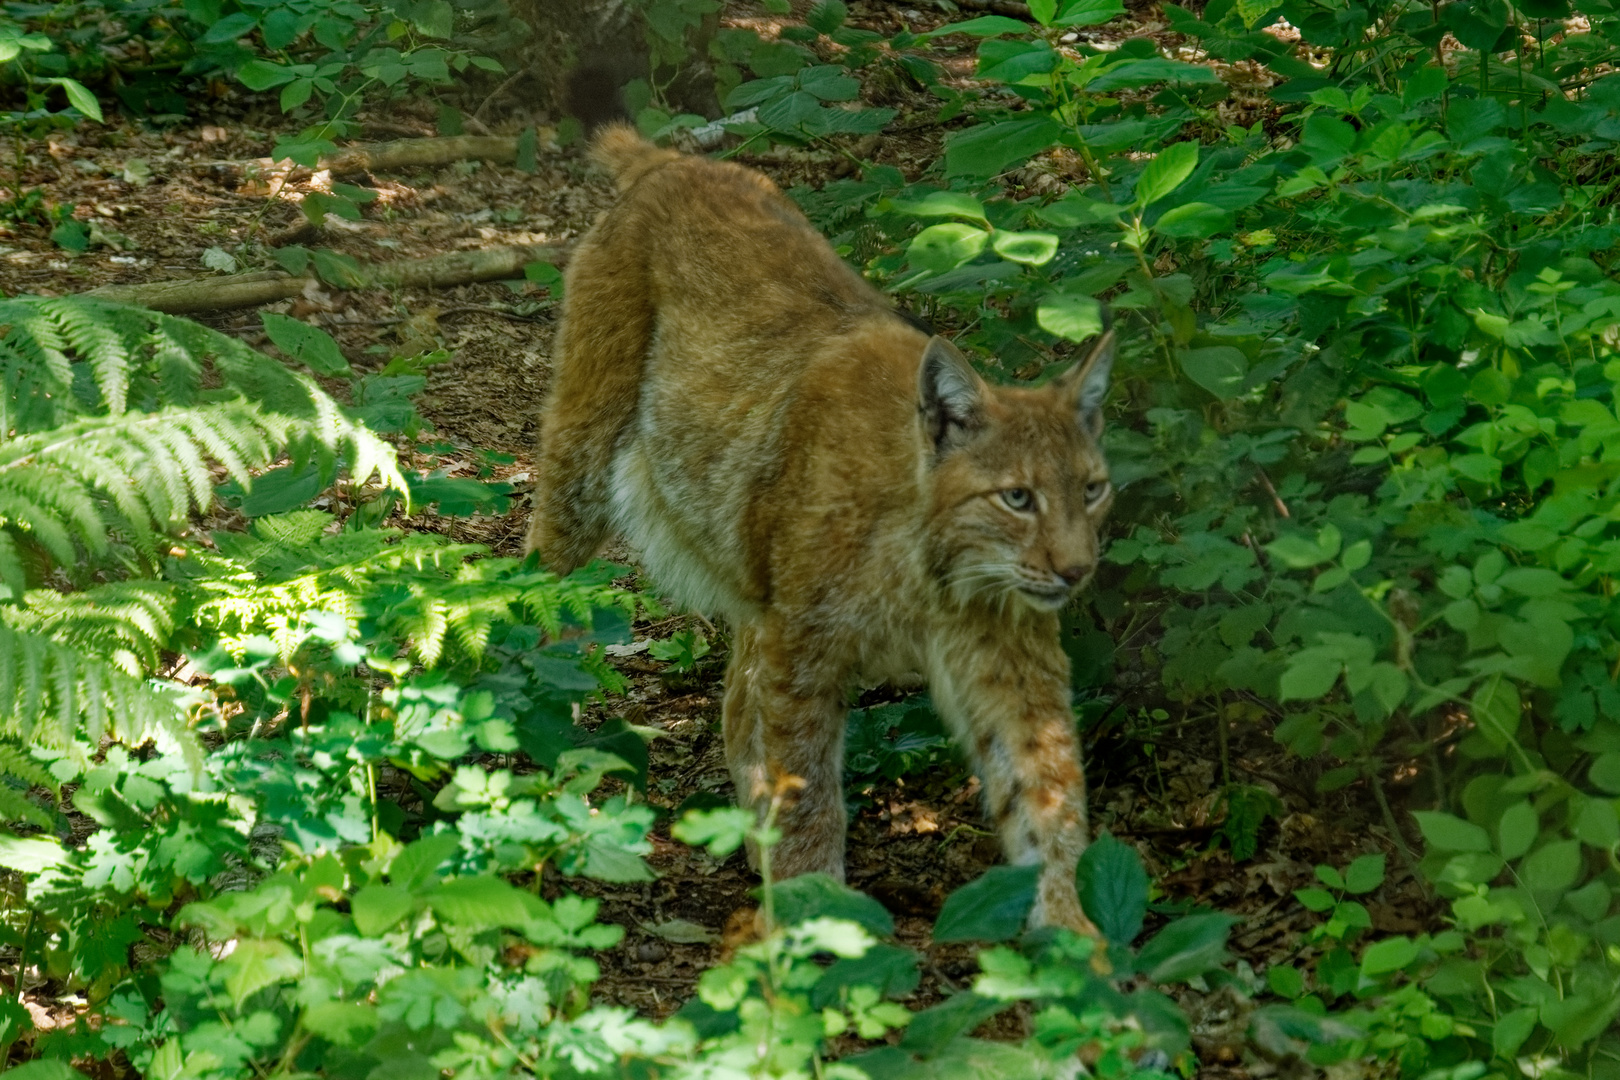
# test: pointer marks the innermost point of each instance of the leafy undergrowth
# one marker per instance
(318, 782)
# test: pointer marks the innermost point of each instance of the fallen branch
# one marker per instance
(381, 157)
(264, 287)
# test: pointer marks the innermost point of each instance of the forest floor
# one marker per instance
(161, 196)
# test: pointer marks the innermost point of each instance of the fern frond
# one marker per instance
(134, 359)
(153, 467)
(50, 692)
(14, 761)
(15, 807)
(126, 622)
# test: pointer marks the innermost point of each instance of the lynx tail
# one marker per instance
(622, 151)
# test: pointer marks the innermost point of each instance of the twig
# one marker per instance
(1282, 507)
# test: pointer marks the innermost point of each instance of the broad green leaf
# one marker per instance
(985, 150)
(310, 345)
(1447, 832)
(1364, 874)
(941, 204)
(1285, 981)
(1517, 830)
(256, 963)
(30, 856)
(1497, 711)
(1511, 1030)
(721, 830)
(983, 26)
(80, 98)
(1029, 248)
(1070, 317)
(1113, 888)
(378, 908)
(992, 908)
(1315, 899)
(1087, 12)
(1552, 868)
(1195, 220)
(1220, 369)
(946, 246)
(1605, 772)
(1391, 954)
(1186, 948)
(1166, 172)
(808, 896)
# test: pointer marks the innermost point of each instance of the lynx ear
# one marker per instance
(1087, 382)
(950, 394)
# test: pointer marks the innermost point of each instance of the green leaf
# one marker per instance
(1391, 954)
(983, 26)
(418, 864)
(1197, 220)
(1220, 369)
(1285, 981)
(343, 1023)
(80, 98)
(994, 907)
(1166, 172)
(1043, 11)
(1497, 711)
(985, 150)
(721, 830)
(1364, 874)
(1029, 248)
(1553, 868)
(889, 969)
(1605, 772)
(808, 896)
(310, 345)
(1517, 830)
(1511, 1030)
(941, 204)
(44, 1069)
(480, 903)
(262, 75)
(379, 908)
(1315, 899)
(257, 963)
(1186, 948)
(946, 246)
(30, 856)
(1070, 317)
(1087, 12)
(1447, 832)
(1113, 888)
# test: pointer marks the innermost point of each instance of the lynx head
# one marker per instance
(1019, 484)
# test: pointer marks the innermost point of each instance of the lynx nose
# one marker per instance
(1075, 574)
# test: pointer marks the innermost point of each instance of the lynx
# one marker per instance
(787, 451)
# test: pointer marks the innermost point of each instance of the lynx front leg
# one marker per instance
(781, 741)
(1009, 708)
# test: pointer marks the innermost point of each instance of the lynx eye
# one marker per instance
(1019, 499)
(1095, 492)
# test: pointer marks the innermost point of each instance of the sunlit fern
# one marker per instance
(437, 593)
(116, 424)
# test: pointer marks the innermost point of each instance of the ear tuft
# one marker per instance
(950, 394)
(1087, 382)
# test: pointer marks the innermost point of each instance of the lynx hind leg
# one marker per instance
(595, 386)
(784, 744)
(1010, 711)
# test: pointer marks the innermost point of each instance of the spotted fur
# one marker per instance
(787, 452)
